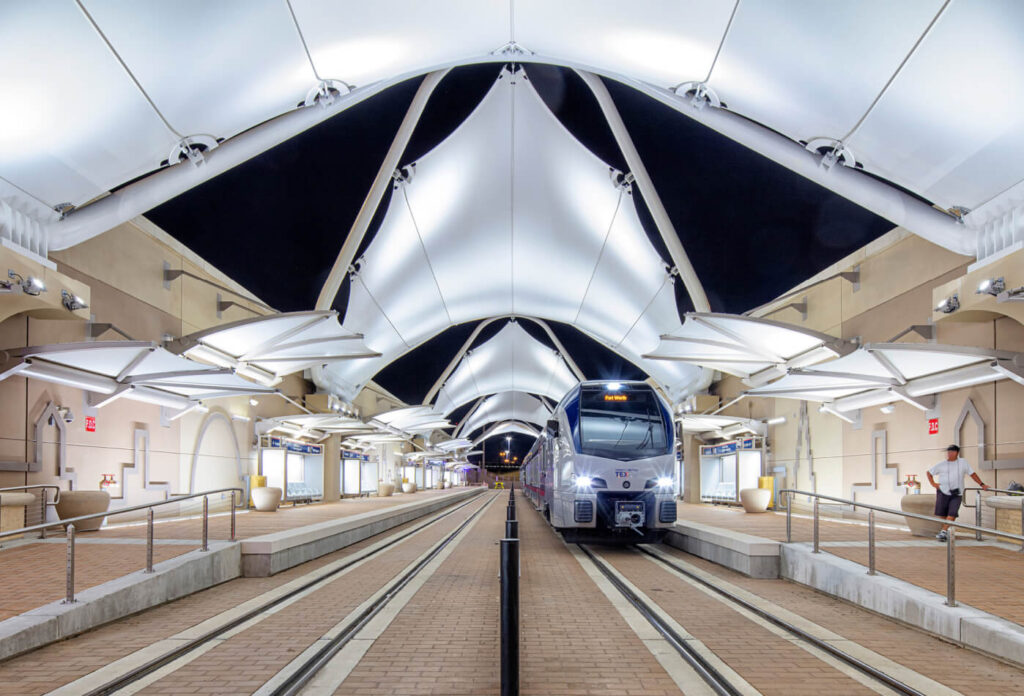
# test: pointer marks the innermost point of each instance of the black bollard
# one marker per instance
(509, 617)
(510, 512)
(511, 529)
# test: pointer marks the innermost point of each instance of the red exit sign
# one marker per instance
(90, 424)
(933, 426)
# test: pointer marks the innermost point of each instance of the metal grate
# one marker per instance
(667, 511)
(584, 511)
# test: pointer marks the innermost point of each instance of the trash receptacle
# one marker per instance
(769, 483)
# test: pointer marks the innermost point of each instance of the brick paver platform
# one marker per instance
(45, 669)
(964, 670)
(989, 577)
(34, 573)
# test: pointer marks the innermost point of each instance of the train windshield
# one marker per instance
(623, 424)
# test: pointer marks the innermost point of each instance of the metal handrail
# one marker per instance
(977, 505)
(70, 524)
(950, 538)
(44, 502)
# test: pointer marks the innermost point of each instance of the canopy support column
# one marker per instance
(380, 185)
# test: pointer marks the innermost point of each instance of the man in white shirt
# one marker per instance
(949, 491)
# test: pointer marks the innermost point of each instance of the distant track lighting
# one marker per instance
(949, 304)
(991, 286)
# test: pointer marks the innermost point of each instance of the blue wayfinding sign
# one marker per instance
(727, 447)
(292, 446)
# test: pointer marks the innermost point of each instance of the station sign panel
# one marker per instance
(293, 446)
(746, 443)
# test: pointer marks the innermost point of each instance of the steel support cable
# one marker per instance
(382, 312)
(127, 70)
(430, 265)
(512, 193)
(721, 42)
(823, 645)
(600, 255)
(668, 278)
(895, 74)
(302, 38)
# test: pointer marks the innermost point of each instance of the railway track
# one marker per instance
(297, 680)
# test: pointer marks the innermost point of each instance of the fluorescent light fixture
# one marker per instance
(237, 417)
(841, 416)
(202, 408)
(887, 409)
(254, 401)
(71, 302)
(267, 379)
(949, 304)
(69, 376)
(777, 420)
(991, 286)
(205, 353)
(182, 412)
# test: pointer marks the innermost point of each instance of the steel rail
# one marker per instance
(822, 645)
(296, 681)
(157, 663)
(708, 672)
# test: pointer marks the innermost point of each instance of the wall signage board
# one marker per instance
(90, 424)
(746, 443)
(933, 426)
(348, 454)
(292, 446)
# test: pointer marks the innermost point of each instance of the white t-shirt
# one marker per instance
(951, 473)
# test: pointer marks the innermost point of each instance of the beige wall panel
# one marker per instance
(828, 475)
(130, 261)
(1008, 433)
(891, 318)
(10, 478)
(896, 271)
(826, 432)
(824, 307)
(12, 412)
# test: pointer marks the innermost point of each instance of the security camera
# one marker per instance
(66, 413)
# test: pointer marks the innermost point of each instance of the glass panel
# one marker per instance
(624, 424)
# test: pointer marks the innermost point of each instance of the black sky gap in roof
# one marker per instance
(751, 228)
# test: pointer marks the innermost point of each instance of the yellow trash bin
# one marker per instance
(769, 483)
(256, 482)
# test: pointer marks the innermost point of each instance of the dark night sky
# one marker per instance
(751, 228)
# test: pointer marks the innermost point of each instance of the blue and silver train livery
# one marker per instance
(602, 468)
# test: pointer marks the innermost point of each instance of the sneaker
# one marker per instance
(941, 536)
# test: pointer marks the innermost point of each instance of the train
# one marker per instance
(602, 468)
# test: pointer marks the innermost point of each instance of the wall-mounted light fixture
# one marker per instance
(887, 409)
(949, 304)
(71, 302)
(991, 286)
(30, 286)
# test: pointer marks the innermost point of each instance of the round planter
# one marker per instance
(385, 490)
(266, 499)
(755, 499)
(408, 487)
(922, 504)
(78, 503)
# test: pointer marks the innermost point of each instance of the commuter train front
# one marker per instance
(602, 468)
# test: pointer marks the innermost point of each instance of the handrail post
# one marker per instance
(149, 540)
(1021, 523)
(69, 595)
(232, 515)
(789, 518)
(509, 617)
(817, 547)
(951, 568)
(871, 542)
(977, 514)
(42, 512)
(206, 524)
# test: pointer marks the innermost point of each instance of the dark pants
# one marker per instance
(947, 505)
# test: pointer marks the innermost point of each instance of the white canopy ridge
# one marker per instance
(562, 238)
(517, 406)
(136, 370)
(882, 373)
(266, 349)
(510, 361)
(756, 350)
(505, 427)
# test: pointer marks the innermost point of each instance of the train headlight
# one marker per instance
(665, 482)
(584, 481)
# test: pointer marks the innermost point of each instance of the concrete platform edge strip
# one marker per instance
(270, 554)
(750, 555)
(904, 602)
(115, 599)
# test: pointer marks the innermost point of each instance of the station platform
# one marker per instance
(439, 633)
(109, 581)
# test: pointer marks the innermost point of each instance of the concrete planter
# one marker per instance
(12, 511)
(755, 499)
(408, 487)
(78, 503)
(922, 504)
(385, 490)
(266, 499)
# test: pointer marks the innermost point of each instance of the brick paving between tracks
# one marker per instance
(987, 577)
(34, 573)
(964, 670)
